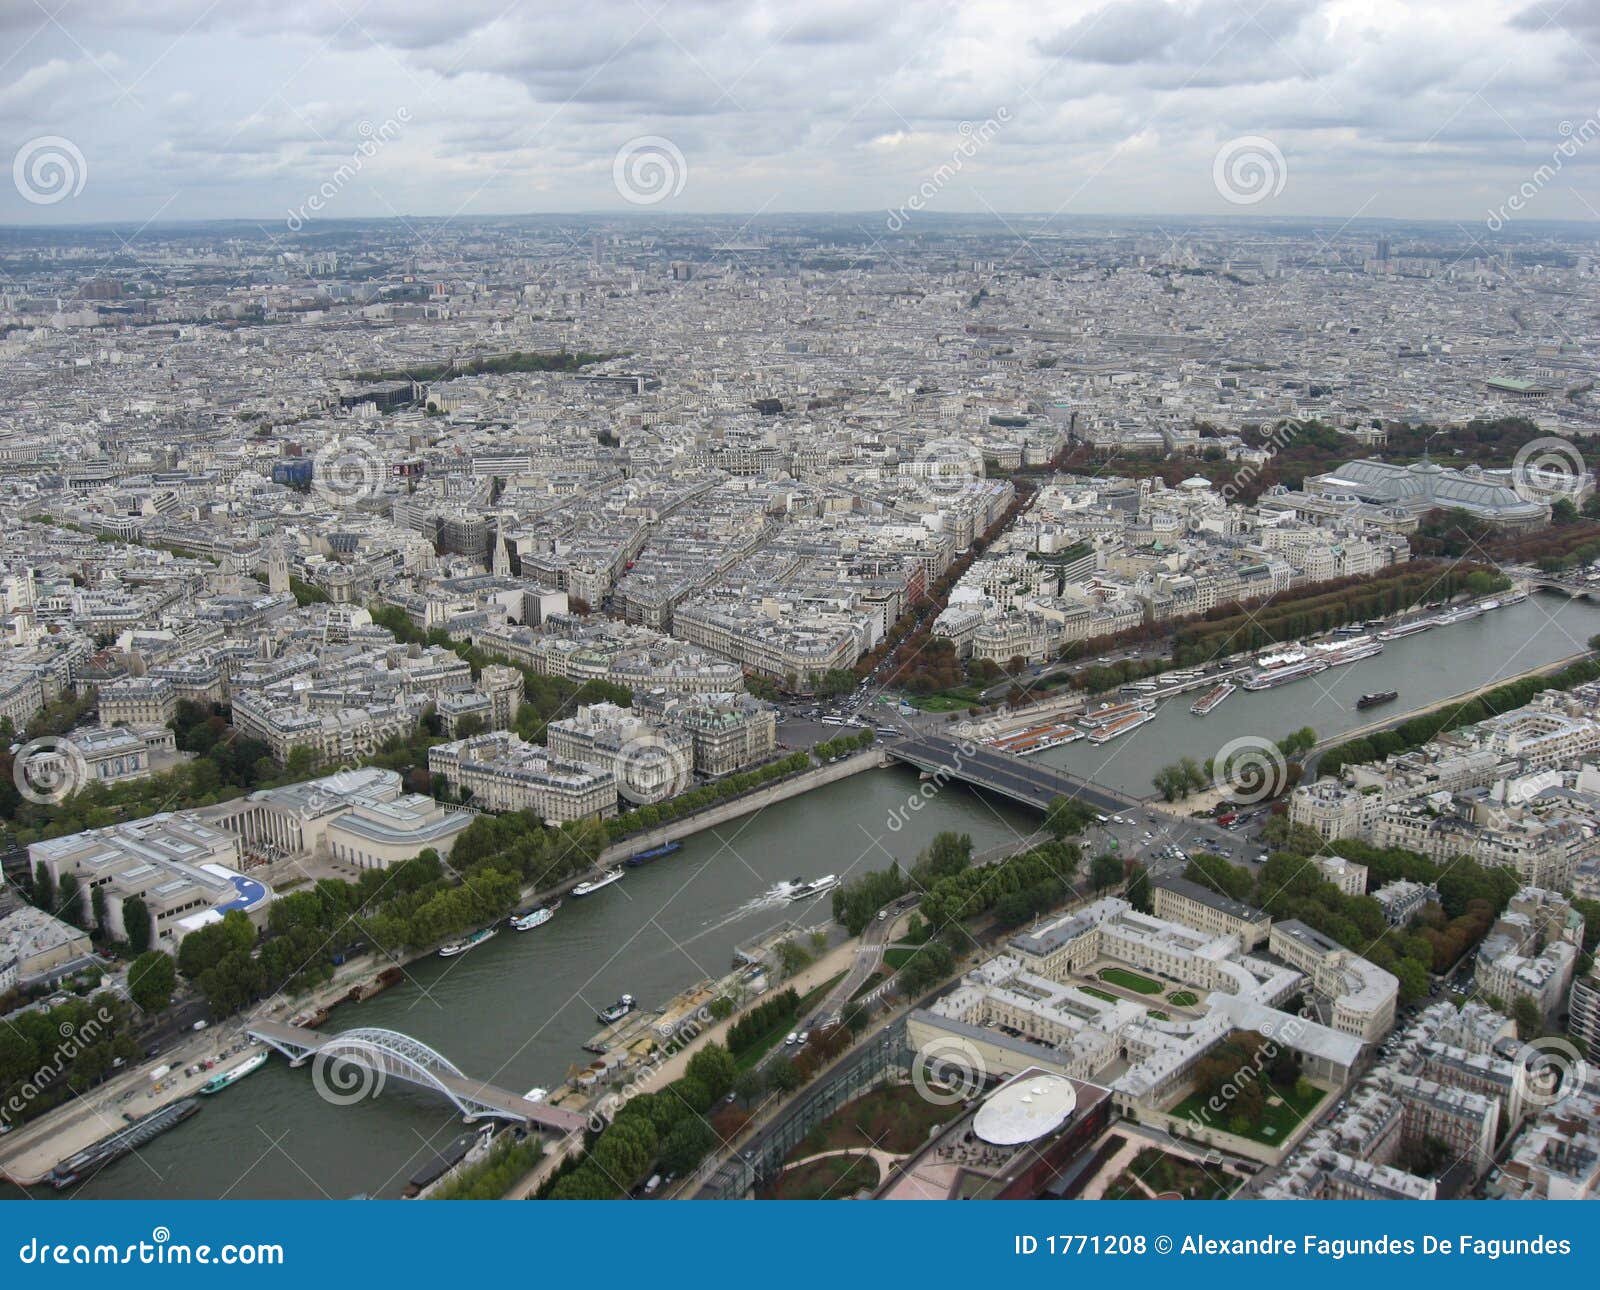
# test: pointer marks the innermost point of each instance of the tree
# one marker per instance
(1138, 892)
(1530, 1021)
(714, 1067)
(1105, 870)
(69, 900)
(152, 977)
(136, 924)
(687, 1144)
(1065, 817)
(44, 889)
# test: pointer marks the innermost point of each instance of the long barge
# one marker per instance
(114, 1146)
(1212, 699)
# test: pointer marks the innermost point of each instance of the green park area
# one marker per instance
(831, 1178)
(1183, 998)
(1281, 1112)
(1130, 980)
(896, 1119)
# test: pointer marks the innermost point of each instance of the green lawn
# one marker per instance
(1131, 980)
(836, 1178)
(1159, 1016)
(1167, 1173)
(894, 958)
(949, 701)
(895, 1118)
(1277, 1122)
(1183, 998)
(1099, 994)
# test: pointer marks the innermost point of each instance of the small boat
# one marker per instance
(528, 919)
(536, 1094)
(617, 1011)
(1373, 700)
(595, 884)
(309, 1019)
(800, 889)
(389, 976)
(249, 1066)
(471, 943)
(654, 853)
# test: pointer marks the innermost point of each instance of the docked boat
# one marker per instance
(1351, 650)
(528, 919)
(470, 943)
(1373, 700)
(1121, 726)
(536, 1094)
(389, 976)
(800, 889)
(228, 1078)
(1487, 606)
(595, 884)
(309, 1019)
(1513, 598)
(1279, 669)
(1208, 702)
(1406, 629)
(654, 853)
(617, 1011)
(114, 1146)
(442, 1162)
(1109, 713)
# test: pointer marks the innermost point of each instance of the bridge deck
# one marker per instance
(1030, 783)
(552, 1118)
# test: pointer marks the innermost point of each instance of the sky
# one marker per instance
(296, 111)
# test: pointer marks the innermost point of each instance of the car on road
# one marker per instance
(791, 1039)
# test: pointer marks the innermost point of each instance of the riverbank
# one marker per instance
(1207, 800)
(734, 807)
(29, 1153)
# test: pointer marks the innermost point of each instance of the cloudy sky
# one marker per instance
(137, 110)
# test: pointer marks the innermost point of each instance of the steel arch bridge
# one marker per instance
(392, 1054)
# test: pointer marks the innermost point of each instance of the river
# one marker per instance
(1424, 668)
(516, 1010)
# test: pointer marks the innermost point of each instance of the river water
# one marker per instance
(1424, 668)
(516, 1010)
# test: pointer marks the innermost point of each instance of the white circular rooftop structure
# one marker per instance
(1025, 1109)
